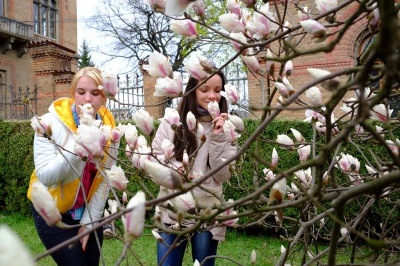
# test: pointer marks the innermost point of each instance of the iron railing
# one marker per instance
(130, 97)
(14, 104)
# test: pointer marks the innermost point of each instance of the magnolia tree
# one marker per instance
(325, 182)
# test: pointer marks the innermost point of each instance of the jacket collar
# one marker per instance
(62, 108)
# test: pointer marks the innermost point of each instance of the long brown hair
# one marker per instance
(184, 139)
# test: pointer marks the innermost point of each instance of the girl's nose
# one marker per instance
(211, 95)
(88, 98)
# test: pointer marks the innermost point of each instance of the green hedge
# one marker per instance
(16, 162)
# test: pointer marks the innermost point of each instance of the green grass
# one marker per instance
(238, 247)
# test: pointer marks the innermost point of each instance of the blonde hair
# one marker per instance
(91, 72)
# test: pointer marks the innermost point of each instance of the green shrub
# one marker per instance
(16, 162)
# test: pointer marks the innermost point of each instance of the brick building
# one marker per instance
(343, 56)
(38, 43)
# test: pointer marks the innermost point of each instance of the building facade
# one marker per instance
(38, 44)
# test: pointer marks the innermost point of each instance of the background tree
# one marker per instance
(86, 58)
(134, 31)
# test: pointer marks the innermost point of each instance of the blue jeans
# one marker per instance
(202, 246)
(71, 255)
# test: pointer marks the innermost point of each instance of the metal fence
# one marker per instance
(13, 104)
(130, 97)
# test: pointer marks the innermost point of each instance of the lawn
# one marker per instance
(237, 246)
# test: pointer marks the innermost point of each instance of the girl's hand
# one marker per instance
(85, 238)
(219, 122)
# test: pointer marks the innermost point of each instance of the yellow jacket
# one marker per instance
(61, 177)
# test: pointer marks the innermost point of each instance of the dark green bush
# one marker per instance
(16, 162)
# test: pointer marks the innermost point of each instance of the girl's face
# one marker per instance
(209, 92)
(87, 92)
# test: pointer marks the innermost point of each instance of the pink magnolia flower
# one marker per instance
(314, 116)
(184, 202)
(12, 250)
(198, 8)
(174, 7)
(118, 132)
(313, 27)
(191, 121)
(144, 121)
(303, 15)
(394, 147)
(106, 132)
(288, 68)
(230, 93)
(171, 115)
(41, 126)
(200, 132)
(124, 197)
(270, 63)
(347, 163)
(381, 112)
(162, 175)
(159, 66)
(86, 109)
(262, 25)
(185, 159)
(230, 131)
(110, 84)
(298, 136)
(238, 36)
(128, 151)
(268, 174)
(231, 23)
(113, 206)
(131, 136)
(253, 257)
(213, 109)
(167, 146)
(44, 204)
(251, 62)
(156, 5)
(169, 87)
(91, 139)
(282, 89)
(195, 69)
(304, 152)
(284, 140)
(304, 176)
(117, 177)
(314, 96)
(134, 219)
(330, 84)
(234, 7)
(237, 122)
(80, 151)
(157, 236)
(184, 27)
(325, 5)
(359, 129)
(274, 158)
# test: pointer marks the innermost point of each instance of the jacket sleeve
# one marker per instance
(95, 206)
(52, 163)
(164, 131)
(99, 198)
(220, 147)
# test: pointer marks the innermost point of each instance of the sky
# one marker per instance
(85, 9)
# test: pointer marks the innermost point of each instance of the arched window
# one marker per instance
(45, 18)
